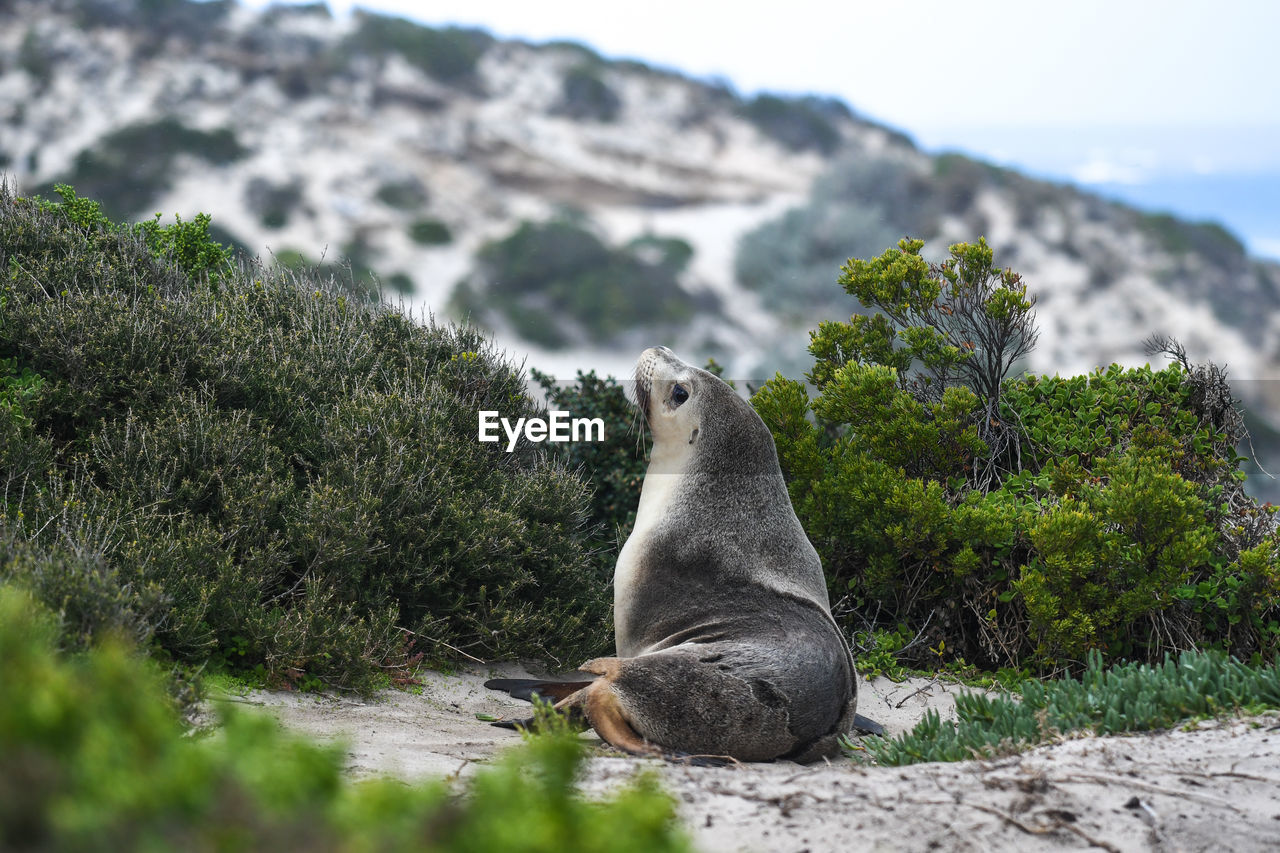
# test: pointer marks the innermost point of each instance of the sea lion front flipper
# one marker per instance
(527, 688)
(604, 713)
(613, 728)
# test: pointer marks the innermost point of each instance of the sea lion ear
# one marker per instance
(693, 436)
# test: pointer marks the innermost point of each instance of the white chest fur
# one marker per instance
(661, 481)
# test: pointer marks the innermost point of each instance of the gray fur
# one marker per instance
(724, 628)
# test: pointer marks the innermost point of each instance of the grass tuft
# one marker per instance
(1131, 697)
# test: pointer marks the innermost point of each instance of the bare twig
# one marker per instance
(913, 694)
(1099, 778)
(446, 645)
(1057, 824)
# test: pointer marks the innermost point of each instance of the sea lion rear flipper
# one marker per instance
(862, 725)
(527, 688)
(577, 719)
(567, 695)
(513, 725)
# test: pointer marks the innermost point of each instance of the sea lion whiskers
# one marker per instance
(642, 388)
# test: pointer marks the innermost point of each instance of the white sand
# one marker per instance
(1214, 786)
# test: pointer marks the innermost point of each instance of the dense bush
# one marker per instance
(557, 279)
(38, 58)
(295, 475)
(615, 467)
(89, 597)
(273, 202)
(863, 204)
(585, 95)
(406, 194)
(1018, 521)
(127, 169)
(352, 271)
(449, 55)
(800, 124)
(859, 207)
(160, 18)
(430, 232)
(1218, 245)
(788, 261)
(95, 758)
(188, 246)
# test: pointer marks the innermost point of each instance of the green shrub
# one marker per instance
(430, 232)
(96, 759)
(128, 168)
(1110, 553)
(272, 202)
(187, 245)
(614, 467)
(883, 535)
(1216, 243)
(668, 253)
(161, 18)
(351, 272)
(407, 194)
(1018, 522)
(86, 594)
(18, 388)
(788, 261)
(800, 124)
(297, 472)
(450, 54)
(24, 450)
(37, 59)
(1129, 698)
(401, 283)
(585, 95)
(562, 278)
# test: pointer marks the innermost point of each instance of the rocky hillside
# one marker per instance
(578, 207)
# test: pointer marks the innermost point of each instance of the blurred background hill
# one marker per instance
(582, 207)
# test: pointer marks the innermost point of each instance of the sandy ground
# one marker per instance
(1211, 786)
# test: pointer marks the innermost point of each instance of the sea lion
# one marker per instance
(725, 641)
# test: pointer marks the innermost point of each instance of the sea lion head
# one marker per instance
(665, 386)
(694, 414)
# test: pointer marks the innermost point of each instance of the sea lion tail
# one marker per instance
(862, 725)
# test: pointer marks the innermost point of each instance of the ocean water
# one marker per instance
(1248, 205)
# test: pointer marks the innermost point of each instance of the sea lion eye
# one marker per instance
(679, 394)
